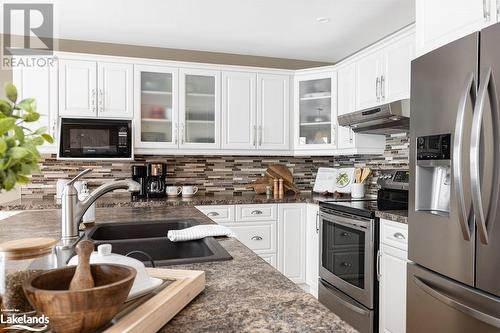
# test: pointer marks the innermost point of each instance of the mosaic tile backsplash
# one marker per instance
(217, 174)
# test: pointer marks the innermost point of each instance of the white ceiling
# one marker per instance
(276, 28)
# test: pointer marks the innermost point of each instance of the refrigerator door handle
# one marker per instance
(463, 216)
(487, 85)
(448, 300)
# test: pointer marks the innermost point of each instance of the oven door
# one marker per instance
(347, 254)
(95, 138)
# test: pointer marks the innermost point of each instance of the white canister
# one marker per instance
(357, 190)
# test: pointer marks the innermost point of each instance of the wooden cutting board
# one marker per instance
(154, 313)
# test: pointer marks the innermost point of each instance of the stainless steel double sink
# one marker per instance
(147, 241)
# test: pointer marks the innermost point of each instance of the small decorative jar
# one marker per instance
(19, 260)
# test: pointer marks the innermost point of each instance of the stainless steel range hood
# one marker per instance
(384, 119)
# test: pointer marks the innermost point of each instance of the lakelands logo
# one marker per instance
(28, 31)
(24, 322)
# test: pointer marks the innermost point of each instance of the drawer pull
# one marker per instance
(256, 212)
(256, 238)
(399, 235)
(213, 214)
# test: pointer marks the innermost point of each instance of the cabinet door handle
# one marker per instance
(54, 132)
(174, 139)
(255, 135)
(182, 134)
(377, 85)
(379, 255)
(256, 212)
(256, 238)
(334, 135)
(212, 214)
(382, 87)
(101, 100)
(260, 135)
(399, 235)
(351, 135)
(92, 100)
(317, 222)
(486, 10)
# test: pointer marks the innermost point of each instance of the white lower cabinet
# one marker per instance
(312, 248)
(284, 235)
(292, 241)
(270, 258)
(259, 236)
(392, 277)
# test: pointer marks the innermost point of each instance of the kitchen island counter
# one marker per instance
(245, 294)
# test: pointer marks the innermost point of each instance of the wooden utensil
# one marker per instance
(85, 310)
(366, 172)
(83, 276)
(280, 171)
(357, 175)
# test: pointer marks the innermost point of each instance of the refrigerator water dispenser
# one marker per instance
(433, 174)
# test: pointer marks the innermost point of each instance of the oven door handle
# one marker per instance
(345, 222)
(348, 304)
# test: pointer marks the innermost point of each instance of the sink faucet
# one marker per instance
(73, 210)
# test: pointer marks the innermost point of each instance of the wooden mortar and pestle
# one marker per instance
(81, 298)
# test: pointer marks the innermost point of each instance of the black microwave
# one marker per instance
(95, 138)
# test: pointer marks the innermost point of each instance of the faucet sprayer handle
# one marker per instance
(80, 175)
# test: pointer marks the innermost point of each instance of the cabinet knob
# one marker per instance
(256, 238)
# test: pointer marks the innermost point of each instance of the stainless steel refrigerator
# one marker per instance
(454, 212)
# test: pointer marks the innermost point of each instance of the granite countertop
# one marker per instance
(245, 294)
(400, 216)
(122, 199)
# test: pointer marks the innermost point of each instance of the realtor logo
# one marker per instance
(34, 22)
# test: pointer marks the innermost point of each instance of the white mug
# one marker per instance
(173, 191)
(357, 190)
(188, 191)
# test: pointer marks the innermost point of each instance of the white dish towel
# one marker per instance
(199, 232)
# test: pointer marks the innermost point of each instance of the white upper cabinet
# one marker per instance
(396, 69)
(95, 89)
(315, 111)
(368, 79)
(115, 93)
(77, 88)
(156, 107)
(239, 126)
(440, 22)
(383, 74)
(348, 141)
(199, 105)
(273, 112)
(40, 83)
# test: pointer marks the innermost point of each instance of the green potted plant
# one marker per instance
(19, 155)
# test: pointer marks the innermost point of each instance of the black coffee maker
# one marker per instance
(139, 174)
(156, 180)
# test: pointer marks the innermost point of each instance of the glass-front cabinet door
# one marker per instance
(315, 107)
(156, 107)
(199, 105)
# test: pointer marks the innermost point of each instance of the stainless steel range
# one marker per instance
(348, 246)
